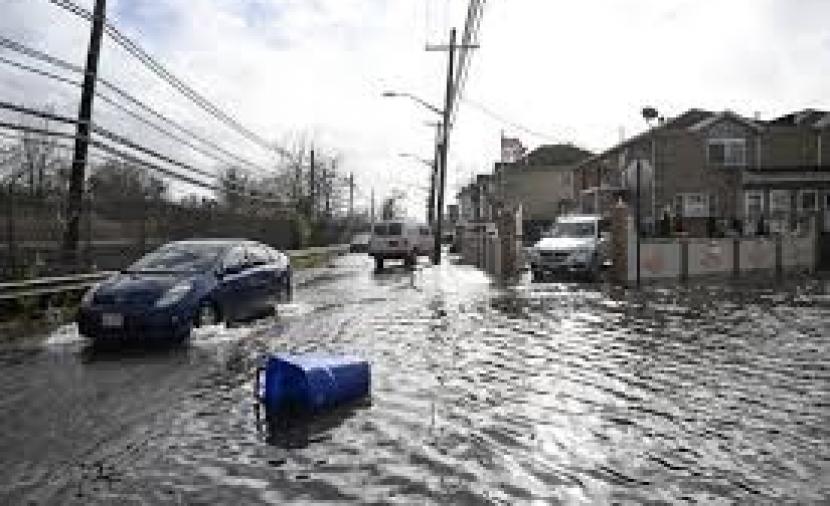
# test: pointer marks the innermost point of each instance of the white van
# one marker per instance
(399, 240)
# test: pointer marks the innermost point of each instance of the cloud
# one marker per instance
(576, 71)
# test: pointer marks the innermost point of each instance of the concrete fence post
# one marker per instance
(736, 257)
(779, 255)
(684, 259)
(619, 242)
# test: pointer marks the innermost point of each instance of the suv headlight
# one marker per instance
(174, 294)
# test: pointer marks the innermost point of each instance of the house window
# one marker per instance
(726, 152)
(779, 201)
(695, 205)
(808, 200)
(754, 202)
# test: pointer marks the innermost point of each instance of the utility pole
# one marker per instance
(312, 206)
(449, 100)
(434, 176)
(351, 195)
(442, 175)
(372, 211)
(326, 191)
(79, 158)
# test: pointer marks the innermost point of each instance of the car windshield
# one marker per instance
(572, 229)
(179, 257)
(388, 229)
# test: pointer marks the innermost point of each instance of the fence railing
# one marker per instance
(39, 287)
(114, 232)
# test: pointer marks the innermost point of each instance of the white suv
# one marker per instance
(576, 245)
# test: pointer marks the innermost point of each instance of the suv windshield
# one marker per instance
(571, 229)
(179, 258)
(388, 229)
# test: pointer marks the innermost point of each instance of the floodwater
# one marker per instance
(548, 393)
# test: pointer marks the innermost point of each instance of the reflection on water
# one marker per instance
(556, 393)
(296, 431)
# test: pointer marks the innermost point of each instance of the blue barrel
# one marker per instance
(311, 383)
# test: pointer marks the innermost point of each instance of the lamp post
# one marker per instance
(439, 170)
(649, 113)
(393, 94)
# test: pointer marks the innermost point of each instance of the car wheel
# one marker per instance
(286, 292)
(206, 314)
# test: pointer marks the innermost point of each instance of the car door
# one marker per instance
(235, 286)
(264, 279)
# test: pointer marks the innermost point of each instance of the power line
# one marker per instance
(469, 40)
(122, 141)
(32, 53)
(151, 63)
(498, 117)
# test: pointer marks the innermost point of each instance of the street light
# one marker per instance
(442, 131)
(649, 113)
(428, 163)
(392, 94)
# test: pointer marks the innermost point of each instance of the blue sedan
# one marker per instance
(183, 285)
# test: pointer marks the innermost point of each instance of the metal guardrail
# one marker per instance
(47, 286)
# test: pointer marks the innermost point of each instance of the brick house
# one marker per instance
(710, 173)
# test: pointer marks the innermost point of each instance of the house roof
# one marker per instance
(693, 119)
(711, 120)
(555, 154)
(812, 117)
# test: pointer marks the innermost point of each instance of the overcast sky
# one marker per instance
(572, 71)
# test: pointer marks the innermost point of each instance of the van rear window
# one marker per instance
(388, 229)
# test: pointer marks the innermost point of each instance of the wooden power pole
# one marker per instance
(351, 195)
(442, 169)
(312, 205)
(79, 158)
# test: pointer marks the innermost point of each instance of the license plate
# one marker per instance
(112, 320)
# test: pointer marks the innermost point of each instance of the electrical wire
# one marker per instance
(122, 141)
(153, 65)
(32, 53)
(483, 109)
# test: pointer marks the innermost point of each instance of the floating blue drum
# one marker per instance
(311, 383)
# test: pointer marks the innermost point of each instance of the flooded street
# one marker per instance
(556, 393)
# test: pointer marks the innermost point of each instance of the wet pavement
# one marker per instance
(555, 393)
